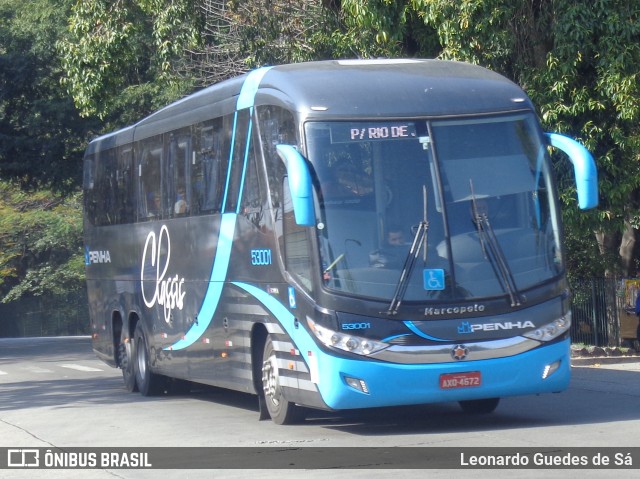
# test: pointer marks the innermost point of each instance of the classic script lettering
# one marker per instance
(167, 291)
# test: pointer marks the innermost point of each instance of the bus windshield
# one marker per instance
(480, 188)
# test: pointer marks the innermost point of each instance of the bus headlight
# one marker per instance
(551, 330)
(345, 342)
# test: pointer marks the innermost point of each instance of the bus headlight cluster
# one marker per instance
(346, 342)
(551, 330)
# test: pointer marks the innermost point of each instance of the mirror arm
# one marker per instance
(584, 168)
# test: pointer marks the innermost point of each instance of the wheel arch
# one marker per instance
(120, 326)
(116, 328)
(259, 335)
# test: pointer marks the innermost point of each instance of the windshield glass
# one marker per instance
(378, 182)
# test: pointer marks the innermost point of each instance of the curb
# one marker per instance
(578, 361)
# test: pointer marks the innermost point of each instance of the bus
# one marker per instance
(335, 235)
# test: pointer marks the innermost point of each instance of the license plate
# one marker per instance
(460, 380)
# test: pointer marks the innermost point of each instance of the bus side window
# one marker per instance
(105, 188)
(236, 170)
(149, 162)
(210, 158)
(178, 184)
(251, 196)
(90, 201)
(297, 247)
(125, 202)
(277, 127)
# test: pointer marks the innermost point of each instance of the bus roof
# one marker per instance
(344, 89)
(393, 88)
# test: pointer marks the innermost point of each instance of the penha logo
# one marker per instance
(96, 257)
(167, 292)
(466, 327)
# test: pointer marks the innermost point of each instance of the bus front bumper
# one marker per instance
(350, 384)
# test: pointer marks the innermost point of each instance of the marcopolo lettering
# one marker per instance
(476, 308)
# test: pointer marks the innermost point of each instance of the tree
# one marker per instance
(121, 57)
(272, 32)
(41, 261)
(42, 139)
(41, 134)
(150, 52)
(41, 237)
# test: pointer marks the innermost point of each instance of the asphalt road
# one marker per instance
(54, 393)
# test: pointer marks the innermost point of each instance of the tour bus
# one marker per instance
(335, 235)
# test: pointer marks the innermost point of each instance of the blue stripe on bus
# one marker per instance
(227, 226)
(245, 163)
(216, 283)
(250, 87)
(299, 335)
(391, 338)
(415, 330)
(220, 268)
(230, 165)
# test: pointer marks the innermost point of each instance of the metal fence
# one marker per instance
(603, 312)
(45, 316)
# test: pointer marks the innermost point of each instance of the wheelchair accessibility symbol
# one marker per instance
(433, 279)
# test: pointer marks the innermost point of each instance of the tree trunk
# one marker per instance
(609, 245)
(627, 249)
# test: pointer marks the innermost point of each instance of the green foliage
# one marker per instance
(270, 32)
(41, 135)
(385, 28)
(40, 243)
(124, 47)
(590, 88)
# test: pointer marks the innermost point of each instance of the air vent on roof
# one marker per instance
(382, 61)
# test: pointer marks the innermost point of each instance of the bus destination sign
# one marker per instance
(372, 131)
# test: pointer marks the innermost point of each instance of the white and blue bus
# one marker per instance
(335, 235)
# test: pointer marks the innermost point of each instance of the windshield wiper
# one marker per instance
(493, 252)
(419, 240)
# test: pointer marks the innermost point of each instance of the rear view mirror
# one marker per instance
(299, 184)
(584, 168)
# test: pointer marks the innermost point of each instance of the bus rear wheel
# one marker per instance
(480, 406)
(280, 410)
(148, 382)
(126, 361)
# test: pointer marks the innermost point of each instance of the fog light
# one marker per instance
(549, 369)
(357, 384)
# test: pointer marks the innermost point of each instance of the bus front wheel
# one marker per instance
(280, 410)
(148, 382)
(480, 406)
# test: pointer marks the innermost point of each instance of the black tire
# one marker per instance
(480, 406)
(281, 411)
(148, 382)
(126, 361)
